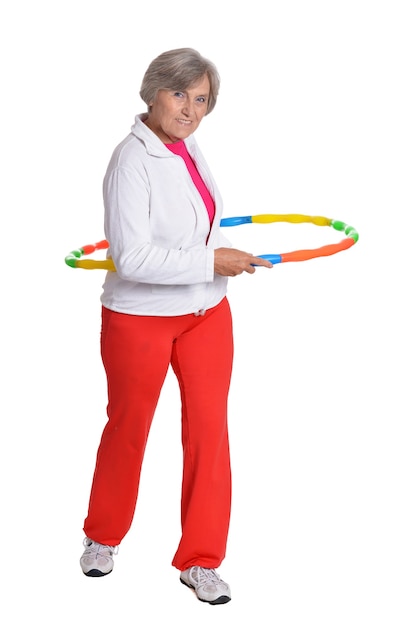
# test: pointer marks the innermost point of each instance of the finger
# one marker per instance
(260, 261)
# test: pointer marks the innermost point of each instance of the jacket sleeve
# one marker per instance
(127, 227)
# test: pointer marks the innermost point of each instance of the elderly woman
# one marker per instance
(166, 306)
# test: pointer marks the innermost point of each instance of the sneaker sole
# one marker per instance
(219, 600)
(95, 573)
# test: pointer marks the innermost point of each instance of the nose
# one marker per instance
(187, 107)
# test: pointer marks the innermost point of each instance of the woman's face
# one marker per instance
(177, 114)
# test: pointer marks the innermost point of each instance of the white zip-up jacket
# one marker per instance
(158, 229)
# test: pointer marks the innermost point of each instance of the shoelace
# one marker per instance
(207, 576)
(96, 548)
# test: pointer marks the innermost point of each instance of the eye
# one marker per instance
(201, 99)
(178, 94)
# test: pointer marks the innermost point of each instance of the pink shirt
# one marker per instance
(180, 149)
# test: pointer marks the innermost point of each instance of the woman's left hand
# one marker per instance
(232, 262)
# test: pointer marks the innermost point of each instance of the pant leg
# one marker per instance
(202, 362)
(136, 352)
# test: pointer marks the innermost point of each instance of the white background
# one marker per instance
(316, 115)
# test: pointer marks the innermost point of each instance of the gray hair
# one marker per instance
(178, 70)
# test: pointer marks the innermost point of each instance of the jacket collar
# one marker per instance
(152, 143)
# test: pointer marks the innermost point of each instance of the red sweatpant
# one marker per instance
(136, 352)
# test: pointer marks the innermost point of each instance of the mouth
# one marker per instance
(183, 122)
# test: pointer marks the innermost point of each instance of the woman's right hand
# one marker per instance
(232, 262)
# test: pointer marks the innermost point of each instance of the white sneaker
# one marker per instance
(207, 584)
(97, 559)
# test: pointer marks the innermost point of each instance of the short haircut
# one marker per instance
(178, 70)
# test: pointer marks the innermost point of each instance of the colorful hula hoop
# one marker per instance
(74, 258)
